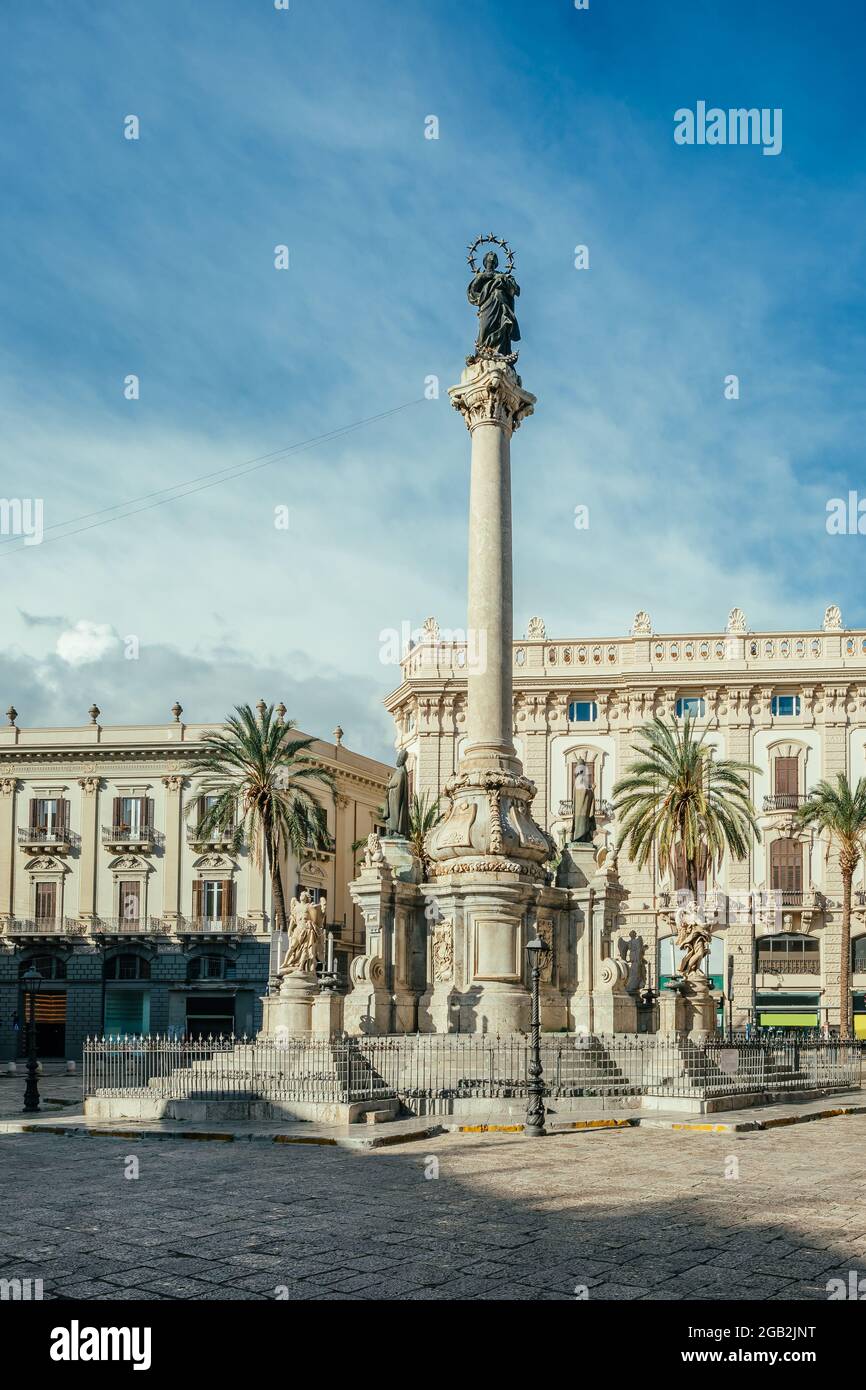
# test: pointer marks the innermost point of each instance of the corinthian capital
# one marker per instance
(491, 393)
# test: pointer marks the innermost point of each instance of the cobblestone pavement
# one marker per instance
(629, 1214)
(60, 1094)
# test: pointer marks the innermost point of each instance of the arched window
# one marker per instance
(127, 967)
(786, 870)
(49, 967)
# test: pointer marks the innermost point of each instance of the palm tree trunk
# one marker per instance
(845, 1000)
(276, 880)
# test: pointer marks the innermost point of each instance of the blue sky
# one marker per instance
(306, 128)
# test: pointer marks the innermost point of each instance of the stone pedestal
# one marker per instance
(289, 1014)
(327, 1014)
(690, 1010)
(389, 977)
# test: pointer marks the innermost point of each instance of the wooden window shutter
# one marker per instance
(34, 812)
(786, 777)
(196, 898)
(146, 811)
(62, 815)
(228, 906)
(115, 812)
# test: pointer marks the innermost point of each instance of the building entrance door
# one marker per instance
(50, 1024)
(210, 1015)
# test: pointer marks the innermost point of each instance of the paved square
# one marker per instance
(630, 1214)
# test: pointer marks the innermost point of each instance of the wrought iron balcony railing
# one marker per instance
(45, 926)
(783, 801)
(195, 836)
(131, 926)
(124, 835)
(218, 926)
(57, 837)
(789, 965)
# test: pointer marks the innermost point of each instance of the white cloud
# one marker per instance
(85, 642)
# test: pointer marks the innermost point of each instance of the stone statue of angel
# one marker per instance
(306, 936)
(693, 937)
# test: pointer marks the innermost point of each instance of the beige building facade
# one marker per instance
(135, 922)
(793, 703)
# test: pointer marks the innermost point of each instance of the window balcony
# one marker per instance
(45, 926)
(214, 926)
(42, 838)
(789, 965)
(121, 837)
(214, 839)
(783, 801)
(131, 926)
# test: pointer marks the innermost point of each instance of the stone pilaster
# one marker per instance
(171, 905)
(88, 867)
(7, 846)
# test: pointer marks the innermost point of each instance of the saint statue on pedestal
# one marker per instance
(397, 799)
(583, 806)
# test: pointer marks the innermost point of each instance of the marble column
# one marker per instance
(487, 852)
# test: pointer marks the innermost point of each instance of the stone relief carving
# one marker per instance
(642, 626)
(536, 629)
(544, 927)
(443, 951)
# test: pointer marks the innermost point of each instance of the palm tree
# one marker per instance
(841, 812)
(422, 818)
(254, 764)
(678, 797)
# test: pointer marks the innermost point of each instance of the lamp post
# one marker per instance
(31, 981)
(534, 1123)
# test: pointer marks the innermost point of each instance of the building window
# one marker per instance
(48, 817)
(127, 967)
(131, 814)
(129, 902)
(786, 871)
(316, 894)
(691, 707)
(858, 955)
(785, 706)
(211, 968)
(212, 899)
(786, 774)
(583, 711)
(49, 967)
(46, 902)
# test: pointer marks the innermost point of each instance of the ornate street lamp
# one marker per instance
(31, 980)
(534, 1123)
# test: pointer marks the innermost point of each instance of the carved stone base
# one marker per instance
(690, 1010)
(488, 822)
